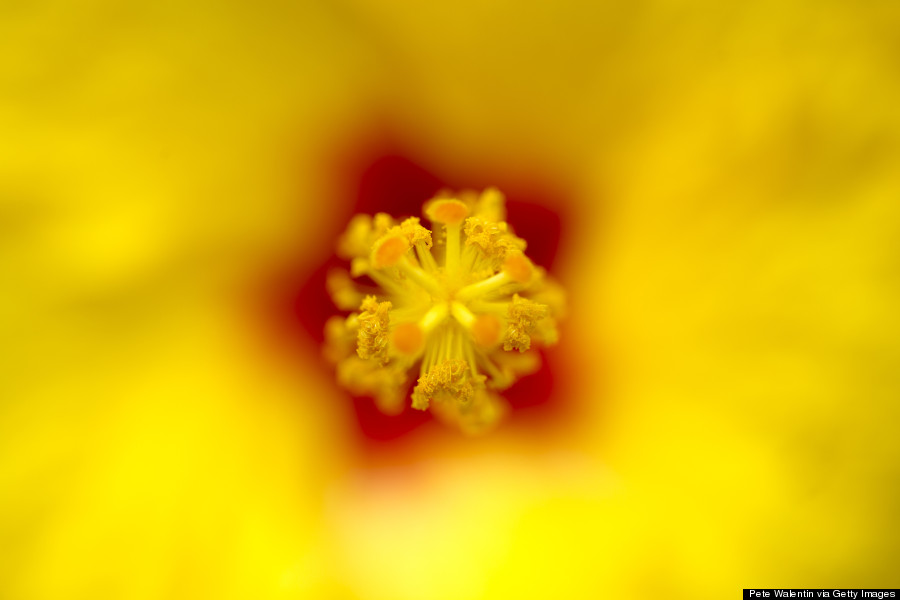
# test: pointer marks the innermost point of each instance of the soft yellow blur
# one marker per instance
(731, 257)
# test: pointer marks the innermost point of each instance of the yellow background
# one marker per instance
(732, 261)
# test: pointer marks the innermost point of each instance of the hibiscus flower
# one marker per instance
(714, 185)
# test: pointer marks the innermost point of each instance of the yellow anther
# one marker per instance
(414, 232)
(493, 239)
(481, 232)
(523, 317)
(449, 380)
(374, 322)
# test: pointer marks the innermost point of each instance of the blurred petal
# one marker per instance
(728, 237)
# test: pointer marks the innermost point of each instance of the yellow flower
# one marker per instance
(727, 186)
(451, 306)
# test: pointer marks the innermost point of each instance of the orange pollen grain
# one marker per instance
(518, 267)
(486, 331)
(408, 338)
(390, 251)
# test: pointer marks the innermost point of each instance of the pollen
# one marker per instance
(374, 323)
(456, 315)
(448, 381)
(523, 316)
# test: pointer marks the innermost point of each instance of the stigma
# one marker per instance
(448, 308)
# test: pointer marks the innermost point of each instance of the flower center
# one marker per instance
(455, 306)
